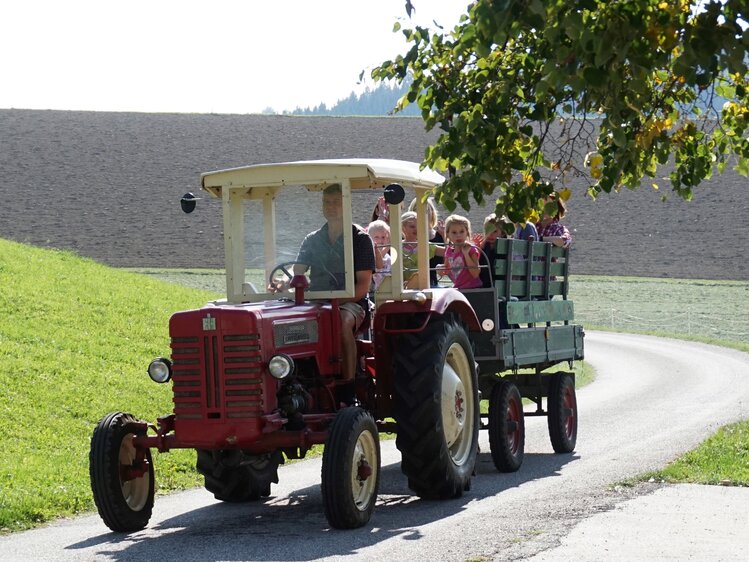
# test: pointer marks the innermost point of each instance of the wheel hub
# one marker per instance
(365, 471)
(135, 487)
(453, 405)
(363, 478)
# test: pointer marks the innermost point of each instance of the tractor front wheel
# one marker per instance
(121, 475)
(351, 469)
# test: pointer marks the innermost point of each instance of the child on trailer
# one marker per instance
(436, 235)
(410, 262)
(487, 242)
(461, 256)
(379, 232)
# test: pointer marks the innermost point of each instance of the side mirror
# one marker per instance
(394, 194)
(188, 202)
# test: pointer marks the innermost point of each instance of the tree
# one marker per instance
(529, 94)
(379, 101)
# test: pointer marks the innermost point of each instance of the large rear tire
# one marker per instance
(232, 476)
(506, 427)
(351, 469)
(436, 408)
(122, 478)
(562, 407)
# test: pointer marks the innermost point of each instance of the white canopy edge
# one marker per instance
(362, 173)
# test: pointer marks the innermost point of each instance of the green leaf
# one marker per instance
(725, 90)
(620, 137)
(604, 52)
(594, 76)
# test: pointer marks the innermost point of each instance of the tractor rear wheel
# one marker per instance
(562, 407)
(436, 408)
(232, 476)
(121, 475)
(351, 469)
(506, 427)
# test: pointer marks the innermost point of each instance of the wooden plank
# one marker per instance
(530, 269)
(533, 312)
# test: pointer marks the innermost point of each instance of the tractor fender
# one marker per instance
(442, 301)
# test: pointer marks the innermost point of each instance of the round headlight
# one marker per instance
(281, 366)
(160, 370)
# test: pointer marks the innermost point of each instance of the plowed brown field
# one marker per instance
(107, 185)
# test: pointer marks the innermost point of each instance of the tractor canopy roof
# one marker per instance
(362, 173)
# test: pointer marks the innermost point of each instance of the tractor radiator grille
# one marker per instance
(217, 376)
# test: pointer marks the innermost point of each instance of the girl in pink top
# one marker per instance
(461, 257)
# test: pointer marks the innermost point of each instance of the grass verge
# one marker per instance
(75, 340)
(722, 459)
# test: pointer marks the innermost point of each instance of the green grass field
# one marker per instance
(75, 340)
(76, 337)
(708, 311)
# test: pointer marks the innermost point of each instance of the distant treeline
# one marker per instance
(382, 100)
(378, 101)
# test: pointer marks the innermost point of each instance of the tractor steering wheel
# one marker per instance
(281, 276)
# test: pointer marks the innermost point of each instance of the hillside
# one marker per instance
(107, 185)
(75, 341)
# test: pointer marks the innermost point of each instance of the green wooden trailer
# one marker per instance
(527, 322)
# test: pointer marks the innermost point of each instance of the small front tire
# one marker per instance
(351, 469)
(122, 479)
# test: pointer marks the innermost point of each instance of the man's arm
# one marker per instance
(305, 255)
(364, 265)
(363, 281)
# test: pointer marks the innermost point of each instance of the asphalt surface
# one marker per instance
(682, 522)
(653, 400)
(677, 522)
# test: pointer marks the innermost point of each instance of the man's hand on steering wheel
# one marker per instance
(281, 276)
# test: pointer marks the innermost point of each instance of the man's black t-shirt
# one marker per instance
(327, 265)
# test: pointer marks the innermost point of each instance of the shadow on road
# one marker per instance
(294, 527)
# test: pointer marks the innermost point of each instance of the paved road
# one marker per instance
(653, 399)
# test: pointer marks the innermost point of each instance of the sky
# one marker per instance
(210, 56)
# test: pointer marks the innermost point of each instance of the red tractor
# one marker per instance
(254, 376)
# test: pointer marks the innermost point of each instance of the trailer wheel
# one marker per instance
(506, 427)
(562, 407)
(232, 476)
(436, 408)
(122, 478)
(351, 469)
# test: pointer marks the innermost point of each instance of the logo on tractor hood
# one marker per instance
(209, 323)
